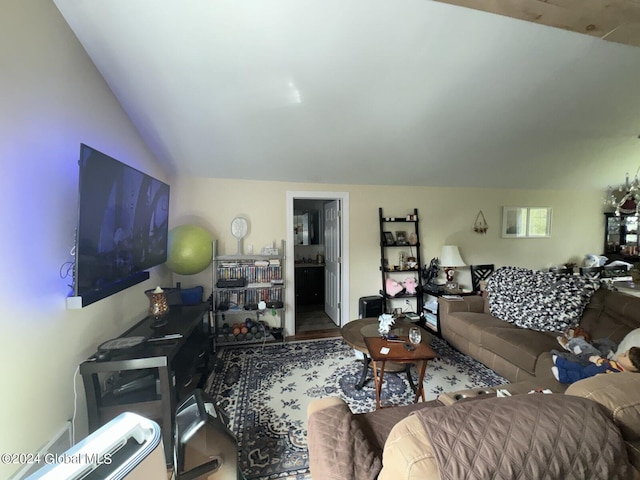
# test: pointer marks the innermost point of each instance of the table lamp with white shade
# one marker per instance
(450, 259)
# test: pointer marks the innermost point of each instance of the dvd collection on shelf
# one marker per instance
(235, 299)
(257, 272)
(241, 284)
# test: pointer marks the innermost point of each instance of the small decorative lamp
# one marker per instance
(450, 259)
(158, 306)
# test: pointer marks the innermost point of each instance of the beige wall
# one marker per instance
(53, 99)
(447, 216)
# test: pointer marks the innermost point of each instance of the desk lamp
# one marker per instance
(450, 259)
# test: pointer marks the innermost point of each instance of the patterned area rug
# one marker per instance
(266, 391)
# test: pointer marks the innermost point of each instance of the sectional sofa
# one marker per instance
(396, 443)
(520, 354)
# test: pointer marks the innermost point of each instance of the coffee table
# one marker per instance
(355, 332)
(381, 350)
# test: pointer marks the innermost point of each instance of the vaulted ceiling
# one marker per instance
(507, 94)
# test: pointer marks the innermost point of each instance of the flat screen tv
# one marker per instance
(122, 226)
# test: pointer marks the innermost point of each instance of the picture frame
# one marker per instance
(401, 238)
(526, 222)
(388, 238)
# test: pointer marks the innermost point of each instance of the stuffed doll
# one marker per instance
(393, 288)
(410, 285)
(576, 332)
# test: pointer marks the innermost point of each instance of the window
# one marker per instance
(526, 222)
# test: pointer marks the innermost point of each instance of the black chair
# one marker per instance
(591, 272)
(562, 270)
(612, 271)
(479, 273)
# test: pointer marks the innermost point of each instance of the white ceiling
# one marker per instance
(403, 92)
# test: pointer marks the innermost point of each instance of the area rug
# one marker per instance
(266, 391)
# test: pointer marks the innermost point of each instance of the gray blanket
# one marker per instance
(526, 437)
(542, 301)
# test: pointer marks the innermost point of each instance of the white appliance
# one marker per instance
(128, 447)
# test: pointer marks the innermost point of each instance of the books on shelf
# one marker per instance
(431, 306)
(456, 298)
(431, 319)
(411, 316)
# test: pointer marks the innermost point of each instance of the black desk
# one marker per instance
(179, 365)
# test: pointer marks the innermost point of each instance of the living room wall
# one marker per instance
(53, 98)
(447, 216)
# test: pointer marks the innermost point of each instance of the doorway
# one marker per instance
(317, 261)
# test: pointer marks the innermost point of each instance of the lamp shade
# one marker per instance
(450, 257)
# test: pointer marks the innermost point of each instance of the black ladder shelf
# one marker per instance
(391, 246)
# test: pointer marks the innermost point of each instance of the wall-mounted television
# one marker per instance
(123, 217)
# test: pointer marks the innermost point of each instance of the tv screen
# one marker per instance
(122, 225)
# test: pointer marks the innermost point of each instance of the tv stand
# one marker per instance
(167, 372)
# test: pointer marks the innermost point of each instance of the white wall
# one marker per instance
(447, 216)
(53, 98)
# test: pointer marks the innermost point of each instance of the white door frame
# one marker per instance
(290, 299)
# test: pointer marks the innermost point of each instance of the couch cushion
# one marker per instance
(631, 339)
(470, 325)
(408, 454)
(619, 394)
(611, 314)
(338, 448)
(525, 437)
(522, 347)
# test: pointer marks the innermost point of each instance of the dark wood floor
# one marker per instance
(313, 334)
(312, 322)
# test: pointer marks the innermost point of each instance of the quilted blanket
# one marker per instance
(526, 437)
(346, 446)
(338, 448)
(541, 301)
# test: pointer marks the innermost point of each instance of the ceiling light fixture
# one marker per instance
(625, 198)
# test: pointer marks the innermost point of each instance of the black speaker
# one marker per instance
(370, 307)
(205, 448)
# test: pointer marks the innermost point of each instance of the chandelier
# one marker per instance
(625, 198)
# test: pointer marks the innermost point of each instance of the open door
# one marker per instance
(335, 226)
(332, 260)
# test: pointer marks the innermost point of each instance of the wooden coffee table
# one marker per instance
(355, 332)
(381, 350)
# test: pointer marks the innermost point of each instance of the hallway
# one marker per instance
(313, 322)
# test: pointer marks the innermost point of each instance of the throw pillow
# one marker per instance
(632, 339)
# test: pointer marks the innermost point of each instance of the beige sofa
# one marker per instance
(393, 444)
(520, 354)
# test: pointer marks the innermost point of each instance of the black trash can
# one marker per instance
(370, 307)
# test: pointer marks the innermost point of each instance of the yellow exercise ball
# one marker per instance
(190, 249)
